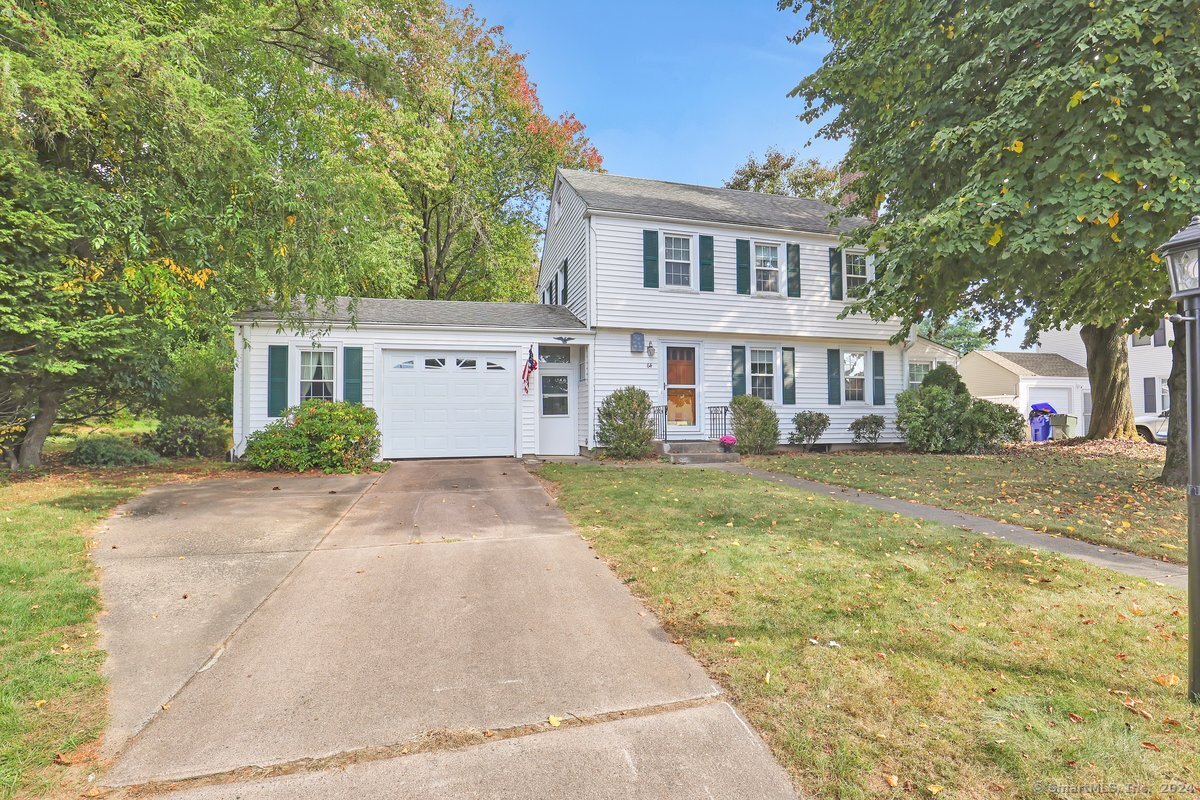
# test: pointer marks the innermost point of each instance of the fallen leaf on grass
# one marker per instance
(892, 780)
(934, 789)
(1170, 679)
(1151, 746)
(1074, 717)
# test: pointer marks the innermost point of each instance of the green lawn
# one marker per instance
(960, 662)
(1105, 494)
(52, 693)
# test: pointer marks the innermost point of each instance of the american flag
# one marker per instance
(530, 367)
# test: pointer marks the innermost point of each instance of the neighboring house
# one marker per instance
(1149, 363)
(1023, 378)
(692, 293)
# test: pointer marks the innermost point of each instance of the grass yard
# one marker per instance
(52, 694)
(1104, 493)
(885, 657)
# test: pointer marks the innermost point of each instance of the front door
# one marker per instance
(681, 388)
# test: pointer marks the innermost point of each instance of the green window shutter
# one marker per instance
(707, 278)
(880, 396)
(789, 376)
(650, 259)
(834, 360)
(352, 374)
(1149, 392)
(739, 371)
(564, 288)
(835, 274)
(743, 266)
(277, 379)
(793, 270)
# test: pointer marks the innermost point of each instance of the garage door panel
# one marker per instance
(447, 404)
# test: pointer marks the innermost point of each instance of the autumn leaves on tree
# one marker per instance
(166, 164)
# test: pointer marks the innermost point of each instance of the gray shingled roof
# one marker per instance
(651, 198)
(1047, 365)
(447, 313)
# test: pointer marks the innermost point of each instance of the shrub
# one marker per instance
(809, 426)
(946, 377)
(934, 419)
(625, 427)
(331, 437)
(754, 424)
(866, 429)
(109, 451)
(189, 437)
(199, 381)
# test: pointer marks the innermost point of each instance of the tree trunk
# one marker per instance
(1108, 374)
(1175, 471)
(39, 428)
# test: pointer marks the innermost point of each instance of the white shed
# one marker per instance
(1021, 379)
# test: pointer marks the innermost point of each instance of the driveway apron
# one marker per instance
(331, 620)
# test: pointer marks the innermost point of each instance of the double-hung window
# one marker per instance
(917, 370)
(762, 374)
(766, 267)
(856, 274)
(316, 374)
(1164, 395)
(677, 264)
(854, 376)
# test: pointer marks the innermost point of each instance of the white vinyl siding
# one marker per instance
(623, 302)
(566, 239)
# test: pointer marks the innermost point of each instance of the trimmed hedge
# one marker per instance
(866, 429)
(934, 419)
(189, 437)
(109, 451)
(625, 430)
(331, 437)
(754, 424)
(809, 426)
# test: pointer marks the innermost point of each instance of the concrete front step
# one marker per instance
(689, 446)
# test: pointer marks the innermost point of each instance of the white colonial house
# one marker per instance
(695, 294)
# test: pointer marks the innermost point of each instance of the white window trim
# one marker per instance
(846, 271)
(337, 371)
(693, 262)
(776, 370)
(780, 271)
(867, 377)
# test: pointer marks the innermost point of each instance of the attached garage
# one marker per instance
(448, 403)
(445, 378)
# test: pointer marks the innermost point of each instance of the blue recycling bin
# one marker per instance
(1039, 421)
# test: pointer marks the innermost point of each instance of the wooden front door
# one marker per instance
(681, 387)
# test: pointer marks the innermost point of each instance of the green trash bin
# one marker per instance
(1064, 426)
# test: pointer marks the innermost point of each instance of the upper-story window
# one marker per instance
(677, 263)
(854, 376)
(766, 267)
(762, 374)
(857, 274)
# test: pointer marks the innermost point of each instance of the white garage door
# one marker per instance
(441, 404)
(1059, 398)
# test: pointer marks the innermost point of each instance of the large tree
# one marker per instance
(1025, 158)
(789, 174)
(162, 164)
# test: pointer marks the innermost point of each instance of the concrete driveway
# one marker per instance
(408, 635)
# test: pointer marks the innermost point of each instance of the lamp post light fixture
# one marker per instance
(1182, 253)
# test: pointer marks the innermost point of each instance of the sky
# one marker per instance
(672, 90)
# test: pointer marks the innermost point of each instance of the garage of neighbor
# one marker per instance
(445, 378)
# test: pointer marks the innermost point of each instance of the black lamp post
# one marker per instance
(1183, 260)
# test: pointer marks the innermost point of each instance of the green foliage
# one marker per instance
(625, 429)
(1023, 157)
(866, 429)
(784, 174)
(109, 451)
(754, 424)
(961, 334)
(946, 377)
(934, 419)
(320, 435)
(809, 427)
(199, 380)
(189, 437)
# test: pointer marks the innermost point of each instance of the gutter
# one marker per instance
(332, 325)
(603, 212)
